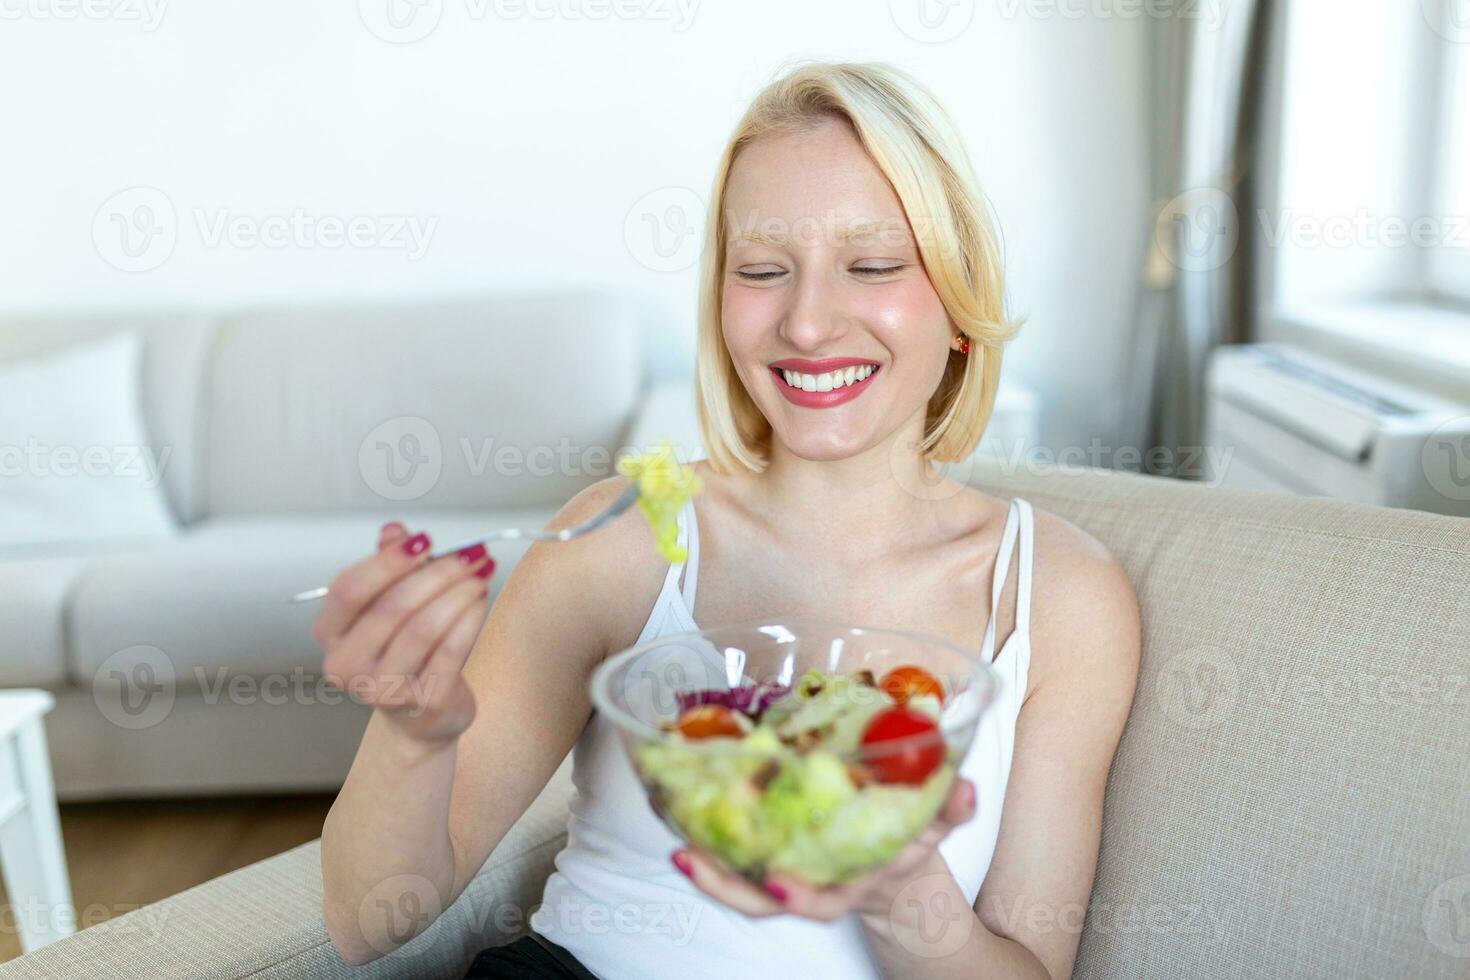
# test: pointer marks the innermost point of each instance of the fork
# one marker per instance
(628, 499)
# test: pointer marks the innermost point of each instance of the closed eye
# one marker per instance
(870, 271)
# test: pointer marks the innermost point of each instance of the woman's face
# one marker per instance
(822, 273)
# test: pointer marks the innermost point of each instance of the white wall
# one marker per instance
(529, 141)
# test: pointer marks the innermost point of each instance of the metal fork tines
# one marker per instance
(628, 499)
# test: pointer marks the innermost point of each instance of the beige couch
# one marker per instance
(1291, 797)
(177, 665)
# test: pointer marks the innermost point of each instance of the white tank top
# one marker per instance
(619, 905)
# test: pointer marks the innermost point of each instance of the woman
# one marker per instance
(847, 232)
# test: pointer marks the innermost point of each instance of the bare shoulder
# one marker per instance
(611, 577)
(1084, 615)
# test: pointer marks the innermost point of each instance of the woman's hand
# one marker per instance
(870, 896)
(397, 629)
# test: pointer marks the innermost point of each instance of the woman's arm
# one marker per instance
(429, 797)
(1027, 920)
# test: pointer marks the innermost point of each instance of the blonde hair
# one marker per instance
(914, 143)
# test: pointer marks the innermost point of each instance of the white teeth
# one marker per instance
(830, 381)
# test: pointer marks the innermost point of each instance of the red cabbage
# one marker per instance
(752, 701)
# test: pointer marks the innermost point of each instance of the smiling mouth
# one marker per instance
(851, 375)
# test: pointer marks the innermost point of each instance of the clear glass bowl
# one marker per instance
(767, 805)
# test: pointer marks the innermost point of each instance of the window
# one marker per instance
(1375, 155)
(1447, 271)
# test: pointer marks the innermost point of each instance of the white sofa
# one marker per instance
(276, 422)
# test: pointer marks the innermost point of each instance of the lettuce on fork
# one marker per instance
(664, 486)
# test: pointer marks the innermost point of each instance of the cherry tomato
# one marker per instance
(709, 721)
(902, 683)
(909, 763)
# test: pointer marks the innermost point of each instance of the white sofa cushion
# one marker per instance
(76, 463)
(212, 605)
(308, 409)
(33, 606)
(174, 355)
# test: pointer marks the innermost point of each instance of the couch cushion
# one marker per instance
(33, 600)
(212, 605)
(1289, 797)
(75, 460)
(360, 409)
(174, 351)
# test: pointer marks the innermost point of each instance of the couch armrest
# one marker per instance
(265, 921)
(668, 412)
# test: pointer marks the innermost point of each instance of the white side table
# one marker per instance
(31, 857)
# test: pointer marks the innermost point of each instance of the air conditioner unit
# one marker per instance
(1285, 420)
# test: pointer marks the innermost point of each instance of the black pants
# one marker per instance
(532, 957)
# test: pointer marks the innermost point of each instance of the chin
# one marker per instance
(823, 447)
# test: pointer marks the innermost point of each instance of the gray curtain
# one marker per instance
(1196, 288)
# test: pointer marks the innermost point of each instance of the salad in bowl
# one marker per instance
(805, 748)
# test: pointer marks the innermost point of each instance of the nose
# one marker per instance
(814, 318)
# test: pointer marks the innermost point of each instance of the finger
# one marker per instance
(359, 647)
(417, 638)
(391, 532)
(825, 904)
(439, 677)
(959, 806)
(723, 886)
(357, 585)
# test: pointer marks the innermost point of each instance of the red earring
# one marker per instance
(964, 345)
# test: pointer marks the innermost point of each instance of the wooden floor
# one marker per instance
(125, 854)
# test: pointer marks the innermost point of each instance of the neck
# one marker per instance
(857, 505)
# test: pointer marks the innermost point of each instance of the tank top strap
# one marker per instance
(690, 525)
(672, 576)
(999, 576)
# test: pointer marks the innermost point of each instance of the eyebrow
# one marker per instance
(856, 229)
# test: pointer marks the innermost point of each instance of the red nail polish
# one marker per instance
(486, 570)
(776, 892)
(682, 862)
(417, 544)
(471, 554)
